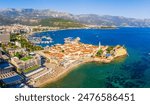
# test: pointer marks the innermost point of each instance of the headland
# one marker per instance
(62, 59)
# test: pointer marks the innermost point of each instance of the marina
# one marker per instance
(41, 40)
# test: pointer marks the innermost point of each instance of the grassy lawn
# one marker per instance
(26, 58)
(31, 69)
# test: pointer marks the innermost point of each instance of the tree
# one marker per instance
(99, 53)
(63, 51)
(18, 55)
(109, 49)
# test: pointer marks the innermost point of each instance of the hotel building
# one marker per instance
(26, 64)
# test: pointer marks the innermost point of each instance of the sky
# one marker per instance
(127, 8)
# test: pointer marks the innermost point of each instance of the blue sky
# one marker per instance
(127, 8)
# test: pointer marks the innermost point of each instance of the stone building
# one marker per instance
(4, 38)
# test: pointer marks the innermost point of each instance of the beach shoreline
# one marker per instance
(32, 33)
(64, 72)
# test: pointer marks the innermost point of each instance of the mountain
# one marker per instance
(34, 16)
(33, 13)
(112, 20)
(5, 20)
(62, 23)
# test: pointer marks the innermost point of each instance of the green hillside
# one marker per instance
(62, 23)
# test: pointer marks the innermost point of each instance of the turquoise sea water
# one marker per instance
(128, 72)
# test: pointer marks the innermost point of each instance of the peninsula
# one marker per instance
(61, 59)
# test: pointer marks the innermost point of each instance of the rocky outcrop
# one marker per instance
(119, 51)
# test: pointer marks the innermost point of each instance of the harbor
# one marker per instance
(41, 40)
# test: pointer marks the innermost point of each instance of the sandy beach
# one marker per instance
(59, 73)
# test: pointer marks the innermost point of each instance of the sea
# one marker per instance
(132, 71)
